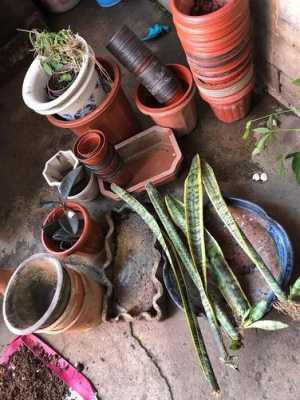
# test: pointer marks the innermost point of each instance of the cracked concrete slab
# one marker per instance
(148, 361)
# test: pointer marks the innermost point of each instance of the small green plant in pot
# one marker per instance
(65, 78)
(61, 55)
(268, 128)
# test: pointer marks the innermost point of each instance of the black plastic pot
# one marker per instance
(160, 81)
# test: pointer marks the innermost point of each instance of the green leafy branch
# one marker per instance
(268, 128)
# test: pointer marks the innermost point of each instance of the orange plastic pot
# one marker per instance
(181, 116)
(84, 309)
(228, 88)
(114, 115)
(208, 74)
(90, 241)
(232, 108)
(215, 21)
(210, 32)
(225, 48)
(100, 156)
(232, 39)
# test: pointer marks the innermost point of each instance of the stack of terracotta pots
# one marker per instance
(217, 42)
(98, 155)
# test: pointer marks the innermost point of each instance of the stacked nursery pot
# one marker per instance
(159, 80)
(216, 38)
(95, 151)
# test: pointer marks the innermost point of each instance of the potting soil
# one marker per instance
(26, 377)
(202, 7)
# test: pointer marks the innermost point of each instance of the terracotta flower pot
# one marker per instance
(114, 115)
(94, 150)
(5, 275)
(181, 115)
(232, 108)
(90, 241)
(138, 59)
(84, 308)
(36, 294)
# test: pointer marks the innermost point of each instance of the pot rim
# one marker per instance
(44, 106)
(189, 93)
(206, 18)
(106, 103)
(90, 135)
(59, 273)
(83, 237)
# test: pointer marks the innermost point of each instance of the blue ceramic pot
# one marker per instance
(283, 247)
(108, 3)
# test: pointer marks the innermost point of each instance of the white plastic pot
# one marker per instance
(89, 193)
(80, 98)
(55, 168)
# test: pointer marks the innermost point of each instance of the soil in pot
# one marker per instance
(203, 7)
(27, 377)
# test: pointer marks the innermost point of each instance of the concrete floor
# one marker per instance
(148, 361)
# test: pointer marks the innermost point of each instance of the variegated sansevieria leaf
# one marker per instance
(226, 280)
(268, 325)
(179, 277)
(256, 313)
(193, 204)
(192, 320)
(187, 261)
(215, 196)
(295, 290)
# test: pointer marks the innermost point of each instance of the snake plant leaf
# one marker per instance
(226, 280)
(69, 181)
(256, 313)
(247, 130)
(193, 204)
(295, 290)
(215, 196)
(62, 236)
(176, 267)
(51, 227)
(296, 166)
(268, 325)
(187, 261)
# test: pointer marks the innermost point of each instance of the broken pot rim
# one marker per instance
(58, 266)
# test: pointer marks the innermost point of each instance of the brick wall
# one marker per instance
(277, 40)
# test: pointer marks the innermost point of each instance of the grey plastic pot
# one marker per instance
(36, 294)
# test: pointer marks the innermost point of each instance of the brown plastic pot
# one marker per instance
(138, 59)
(5, 275)
(73, 307)
(94, 150)
(225, 89)
(232, 108)
(90, 241)
(223, 72)
(114, 115)
(152, 155)
(182, 114)
(36, 295)
(84, 309)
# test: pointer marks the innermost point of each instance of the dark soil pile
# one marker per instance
(27, 378)
(202, 7)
